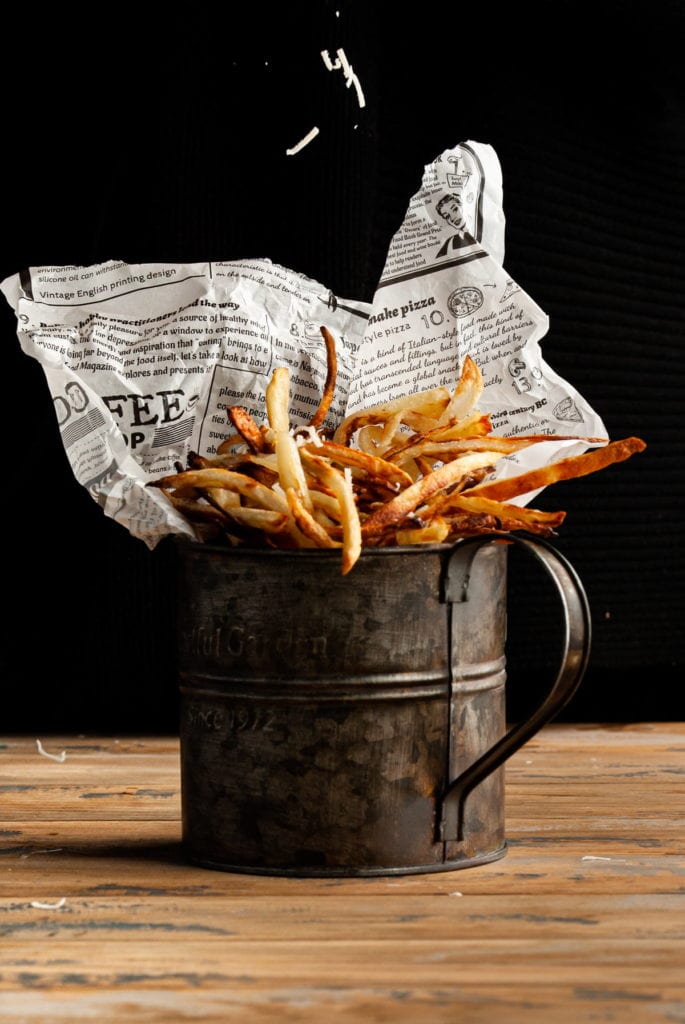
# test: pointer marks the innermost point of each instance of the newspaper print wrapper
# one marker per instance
(142, 361)
(444, 294)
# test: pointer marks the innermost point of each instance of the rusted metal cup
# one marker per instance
(353, 725)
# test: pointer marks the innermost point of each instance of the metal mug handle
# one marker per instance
(576, 650)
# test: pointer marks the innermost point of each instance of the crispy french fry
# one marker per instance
(527, 518)
(230, 442)
(290, 471)
(430, 403)
(306, 522)
(278, 399)
(194, 510)
(372, 465)
(246, 427)
(340, 483)
(466, 394)
(262, 496)
(427, 444)
(434, 533)
(564, 469)
(395, 510)
(329, 387)
(260, 518)
(416, 475)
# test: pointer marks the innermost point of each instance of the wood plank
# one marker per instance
(241, 1000)
(58, 802)
(630, 836)
(105, 963)
(331, 916)
(161, 870)
(583, 920)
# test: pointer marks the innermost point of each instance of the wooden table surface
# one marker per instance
(583, 920)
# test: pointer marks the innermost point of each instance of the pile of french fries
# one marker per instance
(413, 470)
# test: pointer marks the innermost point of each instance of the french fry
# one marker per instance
(530, 519)
(278, 399)
(466, 394)
(341, 486)
(195, 511)
(262, 496)
(246, 427)
(306, 522)
(395, 510)
(230, 442)
(373, 465)
(331, 374)
(435, 533)
(290, 472)
(564, 469)
(417, 475)
(259, 518)
(427, 444)
(430, 404)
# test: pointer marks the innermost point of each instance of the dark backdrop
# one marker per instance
(166, 141)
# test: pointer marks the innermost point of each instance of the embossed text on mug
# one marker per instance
(237, 641)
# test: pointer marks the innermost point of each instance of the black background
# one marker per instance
(165, 141)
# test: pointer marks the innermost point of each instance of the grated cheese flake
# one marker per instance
(342, 64)
(307, 435)
(330, 66)
(303, 142)
(49, 906)
(34, 853)
(60, 758)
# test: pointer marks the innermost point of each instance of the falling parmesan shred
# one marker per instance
(60, 758)
(342, 64)
(49, 906)
(307, 435)
(303, 142)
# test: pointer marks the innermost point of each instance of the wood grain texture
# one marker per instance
(583, 920)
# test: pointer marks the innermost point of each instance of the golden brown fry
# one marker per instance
(246, 427)
(230, 442)
(324, 501)
(278, 399)
(424, 466)
(196, 511)
(392, 426)
(428, 403)
(260, 518)
(525, 518)
(395, 510)
(290, 471)
(434, 533)
(371, 465)
(474, 426)
(466, 394)
(222, 499)
(368, 438)
(471, 524)
(438, 449)
(306, 522)
(564, 469)
(329, 387)
(262, 496)
(341, 486)
(415, 477)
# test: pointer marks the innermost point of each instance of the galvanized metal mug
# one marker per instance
(353, 725)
